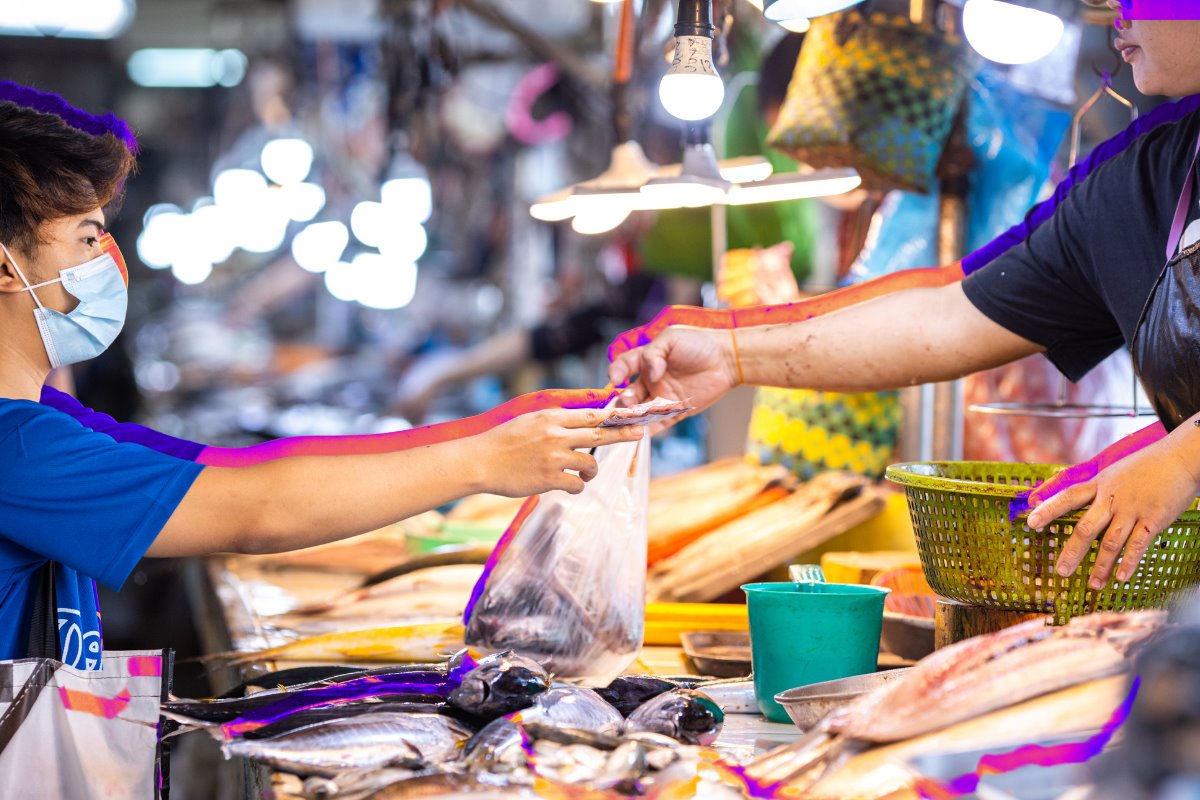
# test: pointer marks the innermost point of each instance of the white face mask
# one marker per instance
(94, 324)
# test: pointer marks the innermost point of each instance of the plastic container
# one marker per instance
(810, 632)
(976, 548)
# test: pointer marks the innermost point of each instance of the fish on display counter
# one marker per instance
(497, 724)
(500, 744)
(417, 682)
(417, 642)
(963, 681)
(499, 685)
(685, 715)
(365, 742)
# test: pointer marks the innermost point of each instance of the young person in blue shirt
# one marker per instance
(91, 496)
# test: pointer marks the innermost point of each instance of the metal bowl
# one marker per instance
(807, 705)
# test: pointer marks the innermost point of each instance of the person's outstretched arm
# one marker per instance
(404, 440)
(798, 311)
(294, 502)
(906, 338)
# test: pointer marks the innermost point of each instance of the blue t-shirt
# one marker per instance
(120, 431)
(79, 498)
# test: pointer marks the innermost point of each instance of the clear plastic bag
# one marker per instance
(566, 585)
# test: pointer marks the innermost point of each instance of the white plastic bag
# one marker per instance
(566, 585)
(81, 735)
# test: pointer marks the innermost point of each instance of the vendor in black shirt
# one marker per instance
(1113, 259)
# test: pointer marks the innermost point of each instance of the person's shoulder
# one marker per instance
(1164, 129)
(36, 418)
(16, 412)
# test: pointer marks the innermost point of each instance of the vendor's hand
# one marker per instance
(1132, 501)
(532, 453)
(693, 365)
(711, 318)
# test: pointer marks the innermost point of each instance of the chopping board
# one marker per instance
(881, 772)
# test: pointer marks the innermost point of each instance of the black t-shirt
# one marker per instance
(1077, 284)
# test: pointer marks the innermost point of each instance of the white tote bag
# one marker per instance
(78, 735)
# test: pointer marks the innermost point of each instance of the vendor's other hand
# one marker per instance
(693, 365)
(539, 451)
(1132, 501)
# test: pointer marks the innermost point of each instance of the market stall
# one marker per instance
(605, 399)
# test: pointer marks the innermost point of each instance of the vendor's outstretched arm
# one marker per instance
(905, 338)
(725, 319)
(403, 440)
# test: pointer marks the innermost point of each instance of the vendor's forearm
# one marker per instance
(798, 311)
(904, 338)
(810, 307)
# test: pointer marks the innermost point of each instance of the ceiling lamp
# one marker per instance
(794, 186)
(93, 19)
(787, 10)
(699, 182)
(692, 90)
(1010, 32)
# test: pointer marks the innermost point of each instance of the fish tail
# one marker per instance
(804, 761)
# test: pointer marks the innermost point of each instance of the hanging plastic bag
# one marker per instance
(566, 585)
(70, 733)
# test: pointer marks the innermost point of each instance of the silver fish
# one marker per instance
(371, 741)
(685, 715)
(573, 707)
(498, 745)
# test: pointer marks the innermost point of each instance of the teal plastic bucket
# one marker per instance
(802, 633)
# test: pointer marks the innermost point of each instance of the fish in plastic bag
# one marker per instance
(566, 584)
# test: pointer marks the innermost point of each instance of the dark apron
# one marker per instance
(1166, 342)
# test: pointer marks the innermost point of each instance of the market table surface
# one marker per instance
(235, 597)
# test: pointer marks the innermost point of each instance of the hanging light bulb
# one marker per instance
(1008, 33)
(788, 10)
(692, 90)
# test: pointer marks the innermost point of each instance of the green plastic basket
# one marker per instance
(973, 552)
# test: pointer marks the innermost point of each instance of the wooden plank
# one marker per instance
(729, 571)
(955, 621)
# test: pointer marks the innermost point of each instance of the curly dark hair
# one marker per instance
(56, 161)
